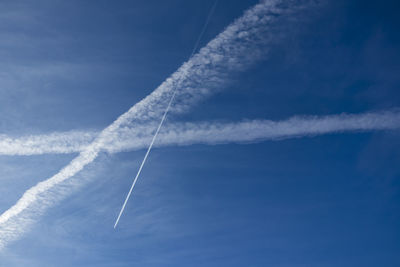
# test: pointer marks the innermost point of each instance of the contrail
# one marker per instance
(209, 133)
(163, 118)
(240, 45)
(145, 158)
(57, 142)
(260, 130)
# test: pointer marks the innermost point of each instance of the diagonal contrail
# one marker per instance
(163, 117)
(145, 158)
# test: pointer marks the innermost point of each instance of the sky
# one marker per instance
(281, 147)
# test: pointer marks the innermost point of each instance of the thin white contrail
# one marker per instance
(210, 13)
(163, 118)
(145, 158)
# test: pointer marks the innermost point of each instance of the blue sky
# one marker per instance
(240, 190)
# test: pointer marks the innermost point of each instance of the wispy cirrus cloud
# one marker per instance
(241, 44)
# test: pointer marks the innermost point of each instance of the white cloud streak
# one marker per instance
(58, 142)
(238, 46)
(129, 139)
(259, 130)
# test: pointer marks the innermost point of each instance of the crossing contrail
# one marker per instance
(163, 117)
(239, 46)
